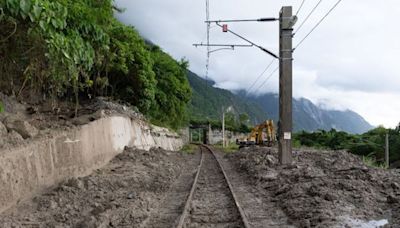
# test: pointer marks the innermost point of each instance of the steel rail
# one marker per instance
(189, 199)
(187, 205)
(235, 198)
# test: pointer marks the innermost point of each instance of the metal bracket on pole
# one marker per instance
(250, 42)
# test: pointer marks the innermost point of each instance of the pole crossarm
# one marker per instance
(250, 42)
(223, 45)
(265, 19)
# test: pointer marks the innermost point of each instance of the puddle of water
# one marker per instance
(357, 223)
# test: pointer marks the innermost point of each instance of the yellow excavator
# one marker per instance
(262, 134)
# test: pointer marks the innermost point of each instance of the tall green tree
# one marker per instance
(173, 91)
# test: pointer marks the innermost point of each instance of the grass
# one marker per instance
(1, 107)
(189, 148)
(230, 148)
(371, 162)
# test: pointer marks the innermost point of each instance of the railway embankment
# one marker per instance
(39, 150)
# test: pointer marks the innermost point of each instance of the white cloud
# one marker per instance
(350, 61)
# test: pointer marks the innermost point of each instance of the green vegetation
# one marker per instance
(370, 145)
(69, 48)
(189, 148)
(1, 107)
(207, 104)
(370, 161)
(230, 148)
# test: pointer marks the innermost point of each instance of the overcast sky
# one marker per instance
(350, 62)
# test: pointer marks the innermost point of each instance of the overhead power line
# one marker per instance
(266, 80)
(308, 16)
(258, 78)
(250, 42)
(301, 5)
(319, 22)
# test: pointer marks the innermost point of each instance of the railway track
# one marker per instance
(211, 201)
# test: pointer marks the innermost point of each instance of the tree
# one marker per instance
(173, 91)
(244, 118)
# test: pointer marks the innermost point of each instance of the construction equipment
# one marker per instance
(262, 135)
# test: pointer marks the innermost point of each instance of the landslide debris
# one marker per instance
(122, 194)
(21, 121)
(324, 188)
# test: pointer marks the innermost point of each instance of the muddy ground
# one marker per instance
(325, 189)
(21, 122)
(122, 194)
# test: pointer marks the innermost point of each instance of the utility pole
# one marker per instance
(209, 133)
(285, 84)
(387, 149)
(286, 23)
(223, 127)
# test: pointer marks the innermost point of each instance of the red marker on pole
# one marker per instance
(225, 28)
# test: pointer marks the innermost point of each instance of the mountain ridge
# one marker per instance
(207, 102)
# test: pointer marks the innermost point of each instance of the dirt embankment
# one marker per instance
(325, 189)
(122, 194)
(20, 122)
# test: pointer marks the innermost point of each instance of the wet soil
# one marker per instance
(125, 193)
(46, 118)
(172, 206)
(259, 206)
(323, 188)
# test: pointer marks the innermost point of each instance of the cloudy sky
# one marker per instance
(350, 62)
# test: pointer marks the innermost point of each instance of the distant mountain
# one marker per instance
(207, 102)
(307, 116)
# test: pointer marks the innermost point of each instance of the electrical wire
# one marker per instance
(301, 5)
(319, 22)
(258, 78)
(208, 39)
(308, 16)
(266, 80)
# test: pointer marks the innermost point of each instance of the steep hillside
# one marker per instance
(207, 101)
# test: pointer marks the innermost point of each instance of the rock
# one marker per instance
(392, 199)
(81, 120)
(131, 195)
(271, 175)
(3, 130)
(32, 110)
(25, 129)
(14, 138)
(395, 185)
(330, 197)
(305, 223)
(75, 183)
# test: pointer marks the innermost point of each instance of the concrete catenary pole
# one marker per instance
(387, 149)
(285, 84)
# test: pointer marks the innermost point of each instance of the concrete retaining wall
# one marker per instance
(44, 162)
